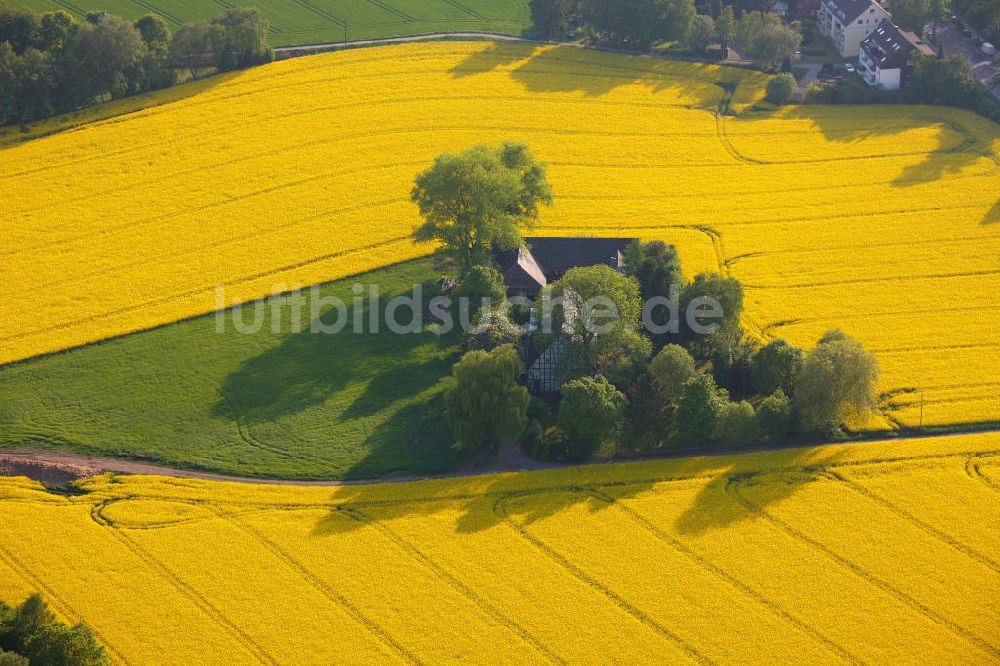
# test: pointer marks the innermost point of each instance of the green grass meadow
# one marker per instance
(313, 21)
(281, 404)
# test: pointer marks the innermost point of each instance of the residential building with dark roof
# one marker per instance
(537, 264)
(542, 260)
(884, 56)
(849, 22)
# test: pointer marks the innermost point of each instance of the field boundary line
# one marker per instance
(194, 292)
(456, 584)
(500, 509)
(185, 589)
(321, 586)
(720, 573)
(938, 534)
(732, 487)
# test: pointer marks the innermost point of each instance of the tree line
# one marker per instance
(761, 35)
(630, 386)
(31, 634)
(52, 63)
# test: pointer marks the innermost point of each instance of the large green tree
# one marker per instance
(764, 37)
(641, 22)
(479, 199)
(707, 292)
(56, 31)
(702, 34)
(481, 286)
(243, 38)
(670, 369)
(774, 415)
(552, 18)
(590, 414)
(838, 382)
(776, 366)
(655, 265)
(106, 53)
(737, 424)
(155, 33)
(30, 633)
(588, 302)
(484, 403)
(18, 26)
(696, 419)
(193, 46)
(653, 397)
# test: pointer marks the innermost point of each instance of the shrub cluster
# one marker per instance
(30, 634)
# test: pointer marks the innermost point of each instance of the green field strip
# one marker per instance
(316, 21)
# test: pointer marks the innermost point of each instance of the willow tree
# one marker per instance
(837, 383)
(484, 403)
(479, 199)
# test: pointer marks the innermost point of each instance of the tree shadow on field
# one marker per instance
(467, 504)
(993, 214)
(729, 498)
(957, 145)
(567, 69)
(495, 56)
(306, 369)
(732, 489)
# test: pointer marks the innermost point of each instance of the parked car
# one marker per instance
(849, 68)
(967, 32)
(988, 49)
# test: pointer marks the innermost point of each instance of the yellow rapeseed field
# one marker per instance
(879, 220)
(880, 552)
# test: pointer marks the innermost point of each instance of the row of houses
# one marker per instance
(863, 29)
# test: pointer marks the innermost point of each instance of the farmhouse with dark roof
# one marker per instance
(543, 260)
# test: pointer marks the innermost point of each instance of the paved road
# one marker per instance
(954, 42)
(814, 68)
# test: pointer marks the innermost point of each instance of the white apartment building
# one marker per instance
(849, 22)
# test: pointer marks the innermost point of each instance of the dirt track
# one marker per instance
(58, 467)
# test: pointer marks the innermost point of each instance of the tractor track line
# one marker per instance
(323, 588)
(721, 574)
(732, 487)
(938, 534)
(185, 589)
(464, 590)
(975, 472)
(500, 509)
